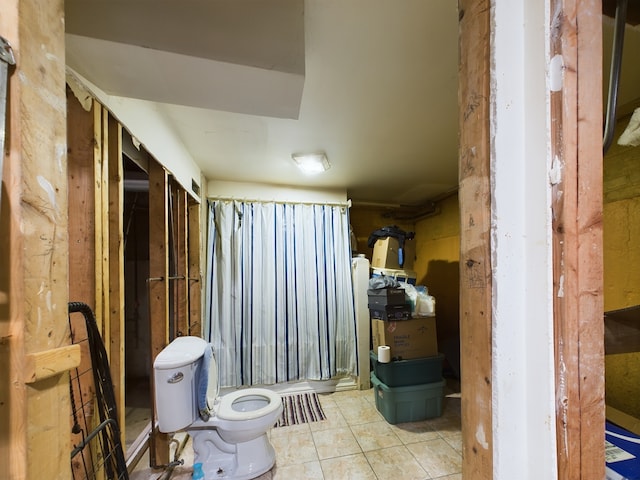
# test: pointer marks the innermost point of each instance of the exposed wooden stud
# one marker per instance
(34, 422)
(475, 253)
(98, 201)
(590, 300)
(82, 277)
(576, 143)
(103, 207)
(46, 364)
(195, 283)
(116, 268)
(181, 299)
(158, 286)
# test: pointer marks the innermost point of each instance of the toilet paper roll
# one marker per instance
(384, 354)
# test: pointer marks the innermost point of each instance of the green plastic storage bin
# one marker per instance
(408, 404)
(399, 373)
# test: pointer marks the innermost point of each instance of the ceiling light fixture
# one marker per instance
(311, 163)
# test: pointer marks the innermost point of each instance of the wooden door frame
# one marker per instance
(575, 130)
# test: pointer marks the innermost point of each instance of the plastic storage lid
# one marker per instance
(182, 351)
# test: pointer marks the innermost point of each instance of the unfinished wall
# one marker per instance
(366, 219)
(622, 264)
(34, 331)
(437, 267)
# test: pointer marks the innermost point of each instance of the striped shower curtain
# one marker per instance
(279, 296)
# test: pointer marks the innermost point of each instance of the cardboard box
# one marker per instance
(413, 338)
(385, 254)
(622, 453)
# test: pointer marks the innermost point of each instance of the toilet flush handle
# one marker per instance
(176, 377)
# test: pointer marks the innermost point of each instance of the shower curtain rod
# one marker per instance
(280, 202)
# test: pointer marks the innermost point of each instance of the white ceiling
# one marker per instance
(246, 83)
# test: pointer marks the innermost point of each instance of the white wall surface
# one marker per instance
(523, 367)
(273, 193)
(147, 124)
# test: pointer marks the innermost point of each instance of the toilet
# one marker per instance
(229, 432)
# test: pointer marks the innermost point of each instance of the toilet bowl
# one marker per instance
(229, 432)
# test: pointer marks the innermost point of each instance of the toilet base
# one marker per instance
(241, 461)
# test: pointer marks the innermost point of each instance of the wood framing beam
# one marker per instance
(116, 335)
(81, 178)
(34, 418)
(475, 254)
(179, 284)
(52, 362)
(158, 286)
(101, 222)
(195, 277)
(82, 276)
(576, 142)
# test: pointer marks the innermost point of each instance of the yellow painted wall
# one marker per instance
(437, 267)
(437, 261)
(622, 265)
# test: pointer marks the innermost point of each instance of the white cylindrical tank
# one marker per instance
(175, 376)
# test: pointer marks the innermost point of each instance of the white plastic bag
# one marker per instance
(425, 303)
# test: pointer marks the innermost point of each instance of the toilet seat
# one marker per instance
(225, 409)
(222, 406)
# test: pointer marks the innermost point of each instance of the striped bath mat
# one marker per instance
(300, 408)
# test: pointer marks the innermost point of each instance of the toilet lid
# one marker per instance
(212, 382)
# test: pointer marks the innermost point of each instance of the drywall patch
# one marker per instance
(82, 94)
(556, 73)
(481, 437)
(555, 174)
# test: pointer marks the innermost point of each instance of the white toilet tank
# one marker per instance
(175, 376)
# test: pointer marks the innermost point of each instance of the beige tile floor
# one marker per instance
(355, 442)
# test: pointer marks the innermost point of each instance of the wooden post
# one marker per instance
(475, 254)
(576, 138)
(82, 275)
(181, 300)
(34, 418)
(195, 277)
(116, 267)
(158, 287)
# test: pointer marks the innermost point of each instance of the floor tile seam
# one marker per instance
(425, 469)
(454, 448)
(371, 466)
(337, 456)
(428, 475)
(390, 431)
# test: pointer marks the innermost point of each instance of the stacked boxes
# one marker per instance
(410, 387)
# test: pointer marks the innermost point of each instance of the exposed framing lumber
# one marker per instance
(116, 340)
(576, 143)
(195, 277)
(52, 362)
(34, 421)
(82, 276)
(158, 287)
(179, 284)
(101, 232)
(475, 254)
